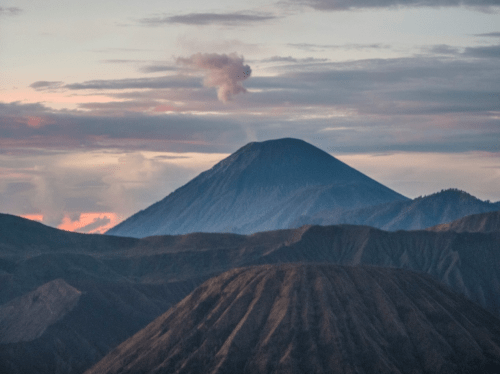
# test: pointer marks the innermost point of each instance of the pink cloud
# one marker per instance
(226, 72)
(165, 108)
(90, 222)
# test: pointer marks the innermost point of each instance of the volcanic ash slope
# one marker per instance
(315, 319)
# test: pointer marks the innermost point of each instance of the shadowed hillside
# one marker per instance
(314, 319)
(416, 214)
(486, 222)
(126, 283)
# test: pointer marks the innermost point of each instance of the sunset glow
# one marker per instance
(91, 223)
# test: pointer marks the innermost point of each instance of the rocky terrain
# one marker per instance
(262, 186)
(315, 319)
(125, 283)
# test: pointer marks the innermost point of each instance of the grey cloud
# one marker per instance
(226, 72)
(18, 187)
(418, 90)
(443, 49)
(227, 19)
(383, 87)
(338, 5)
(157, 68)
(322, 47)
(119, 61)
(17, 109)
(492, 51)
(10, 11)
(121, 50)
(46, 85)
(138, 83)
(121, 106)
(490, 35)
(98, 222)
(69, 130)
(293, 60)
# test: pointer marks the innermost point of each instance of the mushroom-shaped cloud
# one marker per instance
(226, 72)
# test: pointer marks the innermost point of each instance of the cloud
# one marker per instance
(322, 47)
(291, 59)
(490, 35)
(449, 95)
(10, 11)
(97, 223)
(443, 49)
(137, 83)
(157, 68)
(226, 19)
(226, 72)
(335, 5)
(46, 85)
(119, 61)
(492, 51)
(113, 126)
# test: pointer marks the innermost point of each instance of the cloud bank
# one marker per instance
(359, 4)
(225, 72)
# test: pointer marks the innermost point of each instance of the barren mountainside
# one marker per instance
(314, 319)
(125, 283)
(262, 186)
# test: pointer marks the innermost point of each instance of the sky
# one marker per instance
(108, 106)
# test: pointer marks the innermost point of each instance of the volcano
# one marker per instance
(298, 318)
(263, 186)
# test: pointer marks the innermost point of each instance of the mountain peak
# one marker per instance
(285, 162)
(451, 193)
(262, 186)
(298, 318)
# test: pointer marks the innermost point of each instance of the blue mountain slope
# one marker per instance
(420, 213)
(262, 186)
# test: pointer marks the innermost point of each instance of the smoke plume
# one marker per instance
(226, 72)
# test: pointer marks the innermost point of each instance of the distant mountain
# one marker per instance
(262, 186)
(314, 319)
(125, 283)
(27, 317)
(418, 214)
(486, 222)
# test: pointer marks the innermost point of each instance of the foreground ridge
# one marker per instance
(298, 318)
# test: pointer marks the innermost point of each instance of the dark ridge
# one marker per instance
(486, 222)
(314, 319)
(17, 232)
(127, 283)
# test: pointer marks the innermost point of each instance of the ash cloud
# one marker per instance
(225, 72)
